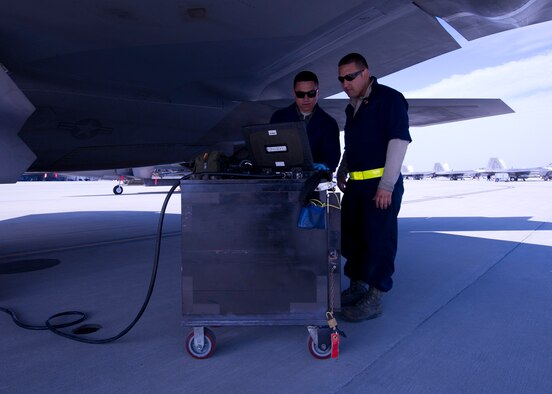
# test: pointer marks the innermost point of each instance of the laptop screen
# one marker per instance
(279, 147)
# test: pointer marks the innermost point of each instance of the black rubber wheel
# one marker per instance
(118, 190)
(317, 352)
(208, 345)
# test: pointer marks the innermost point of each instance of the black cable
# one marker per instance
(55, 327)
(81, 316)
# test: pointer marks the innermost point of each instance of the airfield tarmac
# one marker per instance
(470, 311)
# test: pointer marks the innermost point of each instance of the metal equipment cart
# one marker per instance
(245, 261)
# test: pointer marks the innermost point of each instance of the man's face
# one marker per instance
(306, 89)
(357, 86)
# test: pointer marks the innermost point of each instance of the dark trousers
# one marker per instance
(368, 234)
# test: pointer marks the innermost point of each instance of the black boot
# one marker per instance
(369, 307)
(357, 289)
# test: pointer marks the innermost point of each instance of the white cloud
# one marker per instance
(510, 80)
(522, 139)
(516, 43)
(512, 66)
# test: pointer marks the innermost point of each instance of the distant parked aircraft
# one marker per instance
(496, 169)
(546, 172)
(497, 166)
(150, 176)
(443, 170)
(409, 173)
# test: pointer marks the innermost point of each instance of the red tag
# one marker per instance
(335, 345)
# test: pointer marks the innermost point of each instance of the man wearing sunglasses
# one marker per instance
(376, 139)
(322, 129)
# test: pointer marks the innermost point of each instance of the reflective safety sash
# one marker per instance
(368, 174)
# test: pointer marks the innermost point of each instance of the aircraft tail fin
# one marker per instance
(441, 167)
(496, 164)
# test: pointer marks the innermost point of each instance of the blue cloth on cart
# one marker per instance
(312, 216)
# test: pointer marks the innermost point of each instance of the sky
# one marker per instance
(515, 66)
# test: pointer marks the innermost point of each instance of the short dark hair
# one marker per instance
(356, 58)
(305, 76)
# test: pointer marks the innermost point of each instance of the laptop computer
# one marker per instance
(279, 147)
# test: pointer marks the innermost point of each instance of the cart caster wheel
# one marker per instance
(118, 190)
(208, 345)
(318, 352)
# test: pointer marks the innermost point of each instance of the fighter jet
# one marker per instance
(409, 173)
(497, 166)
(127, 84)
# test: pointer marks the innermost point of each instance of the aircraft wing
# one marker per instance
(134, 83)
(421, 112)
(426, 112)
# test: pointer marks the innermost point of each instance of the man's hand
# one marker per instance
(382, 198)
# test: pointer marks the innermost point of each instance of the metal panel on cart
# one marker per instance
(245, 261)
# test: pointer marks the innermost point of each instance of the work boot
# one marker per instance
(357, 289)
(369, 307)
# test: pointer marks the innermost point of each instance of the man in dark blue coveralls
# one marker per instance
(376, 139)
(322, 129)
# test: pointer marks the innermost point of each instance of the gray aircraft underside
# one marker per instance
(132, 83)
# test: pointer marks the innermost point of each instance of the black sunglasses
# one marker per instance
(350, 77)
(309, 94)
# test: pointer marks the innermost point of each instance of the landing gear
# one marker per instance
(118, 190)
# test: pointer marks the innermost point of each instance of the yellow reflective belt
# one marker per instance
(368, 174)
